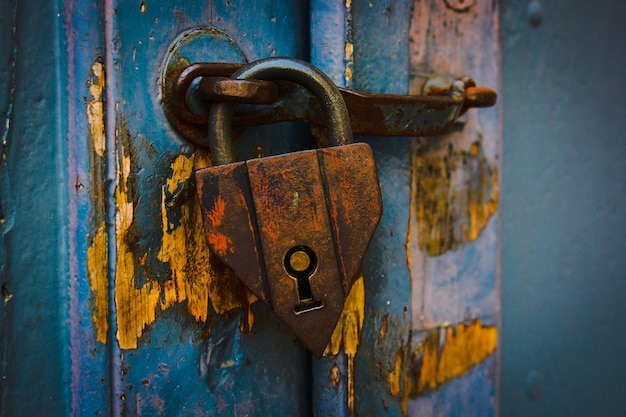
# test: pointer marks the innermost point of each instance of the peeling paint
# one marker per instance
(97, 267)
(347, 334)
(97, 252)
(135, 306)
(445, 353)
(335, 376)
(394, 376)
(349, 46)
(197, 277)
(454, 194)
(95, 109)
(462, 349)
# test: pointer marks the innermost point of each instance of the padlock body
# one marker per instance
(325, 200)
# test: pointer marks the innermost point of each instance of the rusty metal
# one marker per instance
(319, 88)
(294, 228)
(241, 91)
(370, 114)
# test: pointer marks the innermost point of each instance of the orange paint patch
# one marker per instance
(220, 243)
(217, 212)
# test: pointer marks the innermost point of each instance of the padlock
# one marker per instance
(293, 227)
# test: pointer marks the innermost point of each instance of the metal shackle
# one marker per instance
(278, 68)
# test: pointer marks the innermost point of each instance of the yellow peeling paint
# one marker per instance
(347, 333)
(394, 376)
(463, 348)
(95, 109)
(97, 253)
(349, 51)
(433, 362)
(196, 276)
(135, 307)
(97, 261)
(454, 194)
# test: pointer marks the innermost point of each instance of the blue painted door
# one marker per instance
(110, 292)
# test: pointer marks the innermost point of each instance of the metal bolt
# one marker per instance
(535, 13)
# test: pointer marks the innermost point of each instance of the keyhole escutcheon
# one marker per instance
(301, 264)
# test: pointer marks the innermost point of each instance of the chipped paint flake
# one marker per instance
(95, 108)
(394, 376)
(454, 194)
(135, 306)
(97, 267)
(349, 46)
(335, 376)
(463, 348)
(97, 253)
(347, 334)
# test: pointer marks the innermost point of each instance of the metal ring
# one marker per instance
(290, 69)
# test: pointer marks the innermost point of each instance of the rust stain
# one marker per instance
(399, 381)
(454, 194)
(445, 353)
(95, 108)
(97, 267)
(220, 242)
(347, 334)
(384, 326)
(217, 211)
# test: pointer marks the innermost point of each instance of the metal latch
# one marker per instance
(187, 95)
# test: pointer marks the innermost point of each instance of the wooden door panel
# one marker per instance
(421, 333)
(192, 339)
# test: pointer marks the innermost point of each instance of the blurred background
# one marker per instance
(564, 208)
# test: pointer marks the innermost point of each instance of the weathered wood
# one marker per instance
(190, 337)
(428, 341)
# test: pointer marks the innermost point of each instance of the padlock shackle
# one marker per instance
(278, 68)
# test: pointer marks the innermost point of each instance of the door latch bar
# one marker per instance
(370, 114)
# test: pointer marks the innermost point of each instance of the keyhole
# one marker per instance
(300, 264)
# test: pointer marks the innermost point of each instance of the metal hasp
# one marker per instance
(294, 227)
(370, 114)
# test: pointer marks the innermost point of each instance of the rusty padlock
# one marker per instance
(293, 227)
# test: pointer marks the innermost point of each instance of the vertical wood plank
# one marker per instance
(192, 339)
(332, 379)
(52, 359)
(429, 337)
